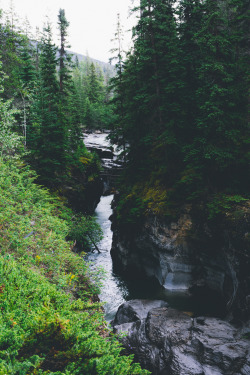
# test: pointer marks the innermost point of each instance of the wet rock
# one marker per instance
(136, 309)
(111, 164)
(169, 342)
(103, 153)
(160, 251)
(189, 256)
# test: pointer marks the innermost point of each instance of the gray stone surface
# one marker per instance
(187, 256)
(136, 309)
(169, 342)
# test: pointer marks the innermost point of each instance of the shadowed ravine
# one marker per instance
(116, 290)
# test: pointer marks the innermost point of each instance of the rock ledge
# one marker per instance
(170, 342)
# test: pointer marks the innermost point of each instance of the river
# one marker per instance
(115, 289)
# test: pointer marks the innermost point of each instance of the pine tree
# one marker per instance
(67, 110)
(65, 60)
(79, 82)
(11, 42)
(151, 87)
(190, 14)
(11, 144)
(27, 72)
(95, 85)
(216, 149)
(49, 148)
(27, 77)
(116, 87)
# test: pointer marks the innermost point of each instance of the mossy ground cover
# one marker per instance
(50, 322)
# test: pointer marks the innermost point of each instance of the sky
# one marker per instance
(92, 22)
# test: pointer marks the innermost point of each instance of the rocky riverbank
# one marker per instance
(191, 256)
(111, 163)
(169, 342)
(210, 261)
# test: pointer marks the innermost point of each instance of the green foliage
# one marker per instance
(11, 44)
(54, 101)
(29, 227)
(222, 204)
(131, 210)
(64, 58)
(48, 150)
(91, 104)
(43, 330)
(10, 143)
(85, 232)
(49, 322)
(181, 106)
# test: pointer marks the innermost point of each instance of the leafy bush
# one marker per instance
(42, 329)
(11, 145)
(221, 204)
(85, 231)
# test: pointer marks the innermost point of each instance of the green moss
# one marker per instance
(155, 196)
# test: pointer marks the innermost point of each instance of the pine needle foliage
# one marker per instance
(184, 89)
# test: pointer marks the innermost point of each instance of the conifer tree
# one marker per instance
(116, 87)
(185, 94)
(27, 70)
(151, 86)
(11, 41)
(49, 148)
(215, 151)
(80, 93)
(26, 90)
(67, 110)
(11, 145)
(65, 61)
(189, 14)
(95, 85)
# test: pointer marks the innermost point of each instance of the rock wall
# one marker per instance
(82, 195)
(191, 256)
(111, 164)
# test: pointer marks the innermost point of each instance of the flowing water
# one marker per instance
(114, 291)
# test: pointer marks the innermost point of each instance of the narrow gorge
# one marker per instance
(182, 287)
(125, 188)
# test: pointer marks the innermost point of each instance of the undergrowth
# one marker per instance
(50, 321)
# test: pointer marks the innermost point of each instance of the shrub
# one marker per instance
(50, 322)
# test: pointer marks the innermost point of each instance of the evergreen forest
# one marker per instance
(181, 99)
(177, 107)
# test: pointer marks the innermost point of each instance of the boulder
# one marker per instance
(170, 342)
(136, 309)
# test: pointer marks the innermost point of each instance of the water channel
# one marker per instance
(116, 290)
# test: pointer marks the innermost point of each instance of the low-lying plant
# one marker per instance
(51, 321)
